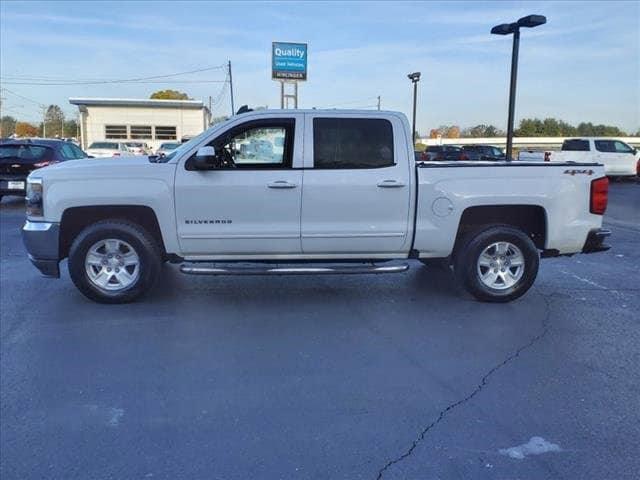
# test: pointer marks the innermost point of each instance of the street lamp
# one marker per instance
(529, 21)
(415, 78)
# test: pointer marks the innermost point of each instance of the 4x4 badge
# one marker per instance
(578, 172)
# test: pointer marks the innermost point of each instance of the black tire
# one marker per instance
(150, 260)
(467, 270)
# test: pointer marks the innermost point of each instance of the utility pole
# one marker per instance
(210, 114)
(378, 102)
(233, 110)
(44, 122)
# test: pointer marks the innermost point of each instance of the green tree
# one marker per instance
(169, 95)
(551, 127)
(482, 131)
(7, 126)
(53, 121)
(70, 129)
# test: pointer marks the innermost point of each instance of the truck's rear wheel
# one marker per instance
(114, 261)
(498, 264)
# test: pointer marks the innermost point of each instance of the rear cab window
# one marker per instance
(352, 143)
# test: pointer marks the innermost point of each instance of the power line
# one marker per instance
(111, 83)
(15, 80)
(23, 97)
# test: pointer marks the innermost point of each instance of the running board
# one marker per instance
(293, 270)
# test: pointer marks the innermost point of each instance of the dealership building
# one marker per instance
(150, 121)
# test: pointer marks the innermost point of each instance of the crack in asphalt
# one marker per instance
(479, 387)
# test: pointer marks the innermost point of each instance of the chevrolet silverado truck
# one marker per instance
(308, 192)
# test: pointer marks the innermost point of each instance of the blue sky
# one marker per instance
(583, 65)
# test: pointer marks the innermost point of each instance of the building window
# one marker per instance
(115, 131)
(140, 131)
(166, 133)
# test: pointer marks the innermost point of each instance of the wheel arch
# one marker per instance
(75, 219)
(531, 219)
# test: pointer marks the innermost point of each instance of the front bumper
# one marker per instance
(41, 239)
(595, 241)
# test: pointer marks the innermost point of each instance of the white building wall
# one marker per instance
(188, 121)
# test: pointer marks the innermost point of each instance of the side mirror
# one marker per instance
(635, 150)
(205, 158)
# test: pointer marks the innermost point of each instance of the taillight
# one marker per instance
(638, 168)
(463, 156)
(116, 154)
(44, 164)
(599, 195)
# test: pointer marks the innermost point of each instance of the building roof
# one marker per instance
(136, 102)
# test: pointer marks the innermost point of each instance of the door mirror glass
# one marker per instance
(205, 158)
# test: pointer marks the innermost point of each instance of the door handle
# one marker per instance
(281, 184)
(390, 184)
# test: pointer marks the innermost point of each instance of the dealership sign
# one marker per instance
(289, 61)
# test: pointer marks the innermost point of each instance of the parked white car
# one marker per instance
(618, 158)
(138, 148)
(108, 149)
(166, 148)
(321, 187)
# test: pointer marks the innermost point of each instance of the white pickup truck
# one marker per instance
(308, 192)
(618, 158)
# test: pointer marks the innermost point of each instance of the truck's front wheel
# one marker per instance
(114, 261)
(498, 264)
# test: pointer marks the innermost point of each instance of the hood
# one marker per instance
(104, 162)
(103, 168)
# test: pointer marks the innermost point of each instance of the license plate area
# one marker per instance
(12, 185)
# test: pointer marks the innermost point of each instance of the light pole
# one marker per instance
(415, 78)
(529, 21)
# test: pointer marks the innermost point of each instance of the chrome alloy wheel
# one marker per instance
(112, 264)
(500, 265)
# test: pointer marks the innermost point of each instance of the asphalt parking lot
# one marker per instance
(355, 377)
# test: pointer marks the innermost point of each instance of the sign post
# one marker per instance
(288, 66)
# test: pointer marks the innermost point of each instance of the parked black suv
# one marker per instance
(483, 152)
(18, 158)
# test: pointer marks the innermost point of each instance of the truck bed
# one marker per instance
(446, 190)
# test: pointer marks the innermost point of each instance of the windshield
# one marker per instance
(133, 144)
(108, 145)
(194, 141)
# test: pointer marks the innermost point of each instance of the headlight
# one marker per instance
(34, 197)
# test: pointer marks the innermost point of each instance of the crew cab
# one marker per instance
(618, 158)
(308, 192)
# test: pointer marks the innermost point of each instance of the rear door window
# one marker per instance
(605, 146)
(67, 152)
(77, 152)
(350, 143)
(575, 145)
